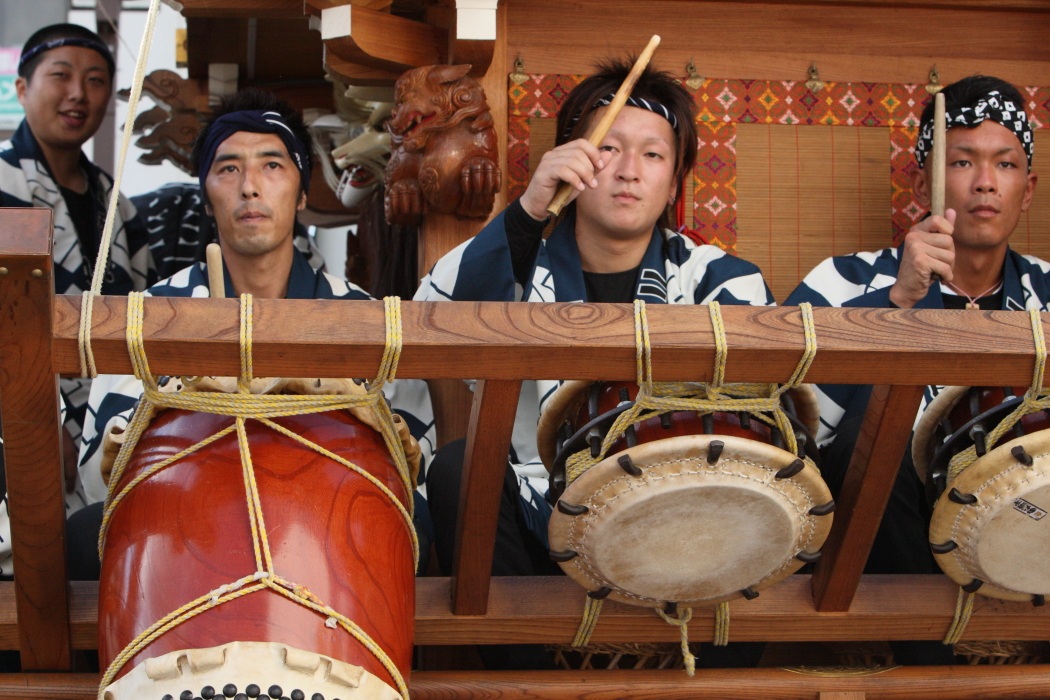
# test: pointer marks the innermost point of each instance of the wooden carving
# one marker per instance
(168, 129)
(443, 147)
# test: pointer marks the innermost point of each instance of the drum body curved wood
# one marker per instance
(185, 531)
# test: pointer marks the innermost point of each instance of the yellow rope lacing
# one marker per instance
(243, 406)
(1037, 398)
(87, 357)
(760, 400)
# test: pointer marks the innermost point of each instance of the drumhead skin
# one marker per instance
(686, 530)
(240, 665)
(995, 514)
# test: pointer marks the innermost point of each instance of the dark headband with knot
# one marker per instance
(81, 42)
(992, 106)
(255, 121)
(650, 105)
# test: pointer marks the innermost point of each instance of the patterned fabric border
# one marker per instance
(722, 104)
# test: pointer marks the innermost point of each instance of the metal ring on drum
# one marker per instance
(687, 509)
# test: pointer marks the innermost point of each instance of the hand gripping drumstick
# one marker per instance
(215, 281)
(937, 162)
(618, 101)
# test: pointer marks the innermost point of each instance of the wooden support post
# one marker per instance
(488, 444)
(33, 439)
(877, 455)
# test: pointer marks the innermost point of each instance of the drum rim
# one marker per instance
(809, 485)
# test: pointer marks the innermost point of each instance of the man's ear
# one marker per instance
(302, 202)
(920, 187)
(1029, 191)
(20, 89)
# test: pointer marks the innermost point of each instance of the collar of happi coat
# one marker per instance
(561, 257)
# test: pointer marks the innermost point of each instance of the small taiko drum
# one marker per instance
(687, 508)
(988, 531)
(185, 531)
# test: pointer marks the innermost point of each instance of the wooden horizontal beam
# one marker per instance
(944, 682)
(547, 610)
(955, 682)
(526, 341)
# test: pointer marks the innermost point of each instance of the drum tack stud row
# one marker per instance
(251, 691)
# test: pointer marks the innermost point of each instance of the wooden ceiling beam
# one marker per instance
(379, 40)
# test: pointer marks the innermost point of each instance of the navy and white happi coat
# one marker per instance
(26, 181)
(864, 280)
(114, 396)
(674, 270)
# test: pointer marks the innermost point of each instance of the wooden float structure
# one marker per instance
(47, 618)
(369, 42)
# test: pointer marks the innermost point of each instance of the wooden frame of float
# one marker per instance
(46, 618)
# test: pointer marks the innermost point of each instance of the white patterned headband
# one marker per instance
(650, 105)
(993, 106)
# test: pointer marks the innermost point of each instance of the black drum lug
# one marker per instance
(791, 469)
(600, 594)
(628, 466)
(714, 451)
(567, 555)
(824, 509)
(943, 547)
(963, 499)
(1021, 456)
(572, 509)
(973, 585)
(808, 557)
(749, 593)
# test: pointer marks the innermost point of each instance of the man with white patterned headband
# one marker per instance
(613, 243)
(961, 260)
(253, 161)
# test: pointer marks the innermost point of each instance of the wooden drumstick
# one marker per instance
(215, 282)
(937, 156)
(618, 101)
(937, 162)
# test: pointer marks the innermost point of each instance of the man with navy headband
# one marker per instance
(612, 244)
(253, 161)
(959, 261)
(65, 82)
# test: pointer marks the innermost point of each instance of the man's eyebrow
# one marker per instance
(67, 64)
(974, 149)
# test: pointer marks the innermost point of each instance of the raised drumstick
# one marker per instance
(937, 156)
(618, 101)
(215, 282)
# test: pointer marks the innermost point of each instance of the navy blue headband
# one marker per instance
(67, 41)
(994, 106)
(255, 121)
